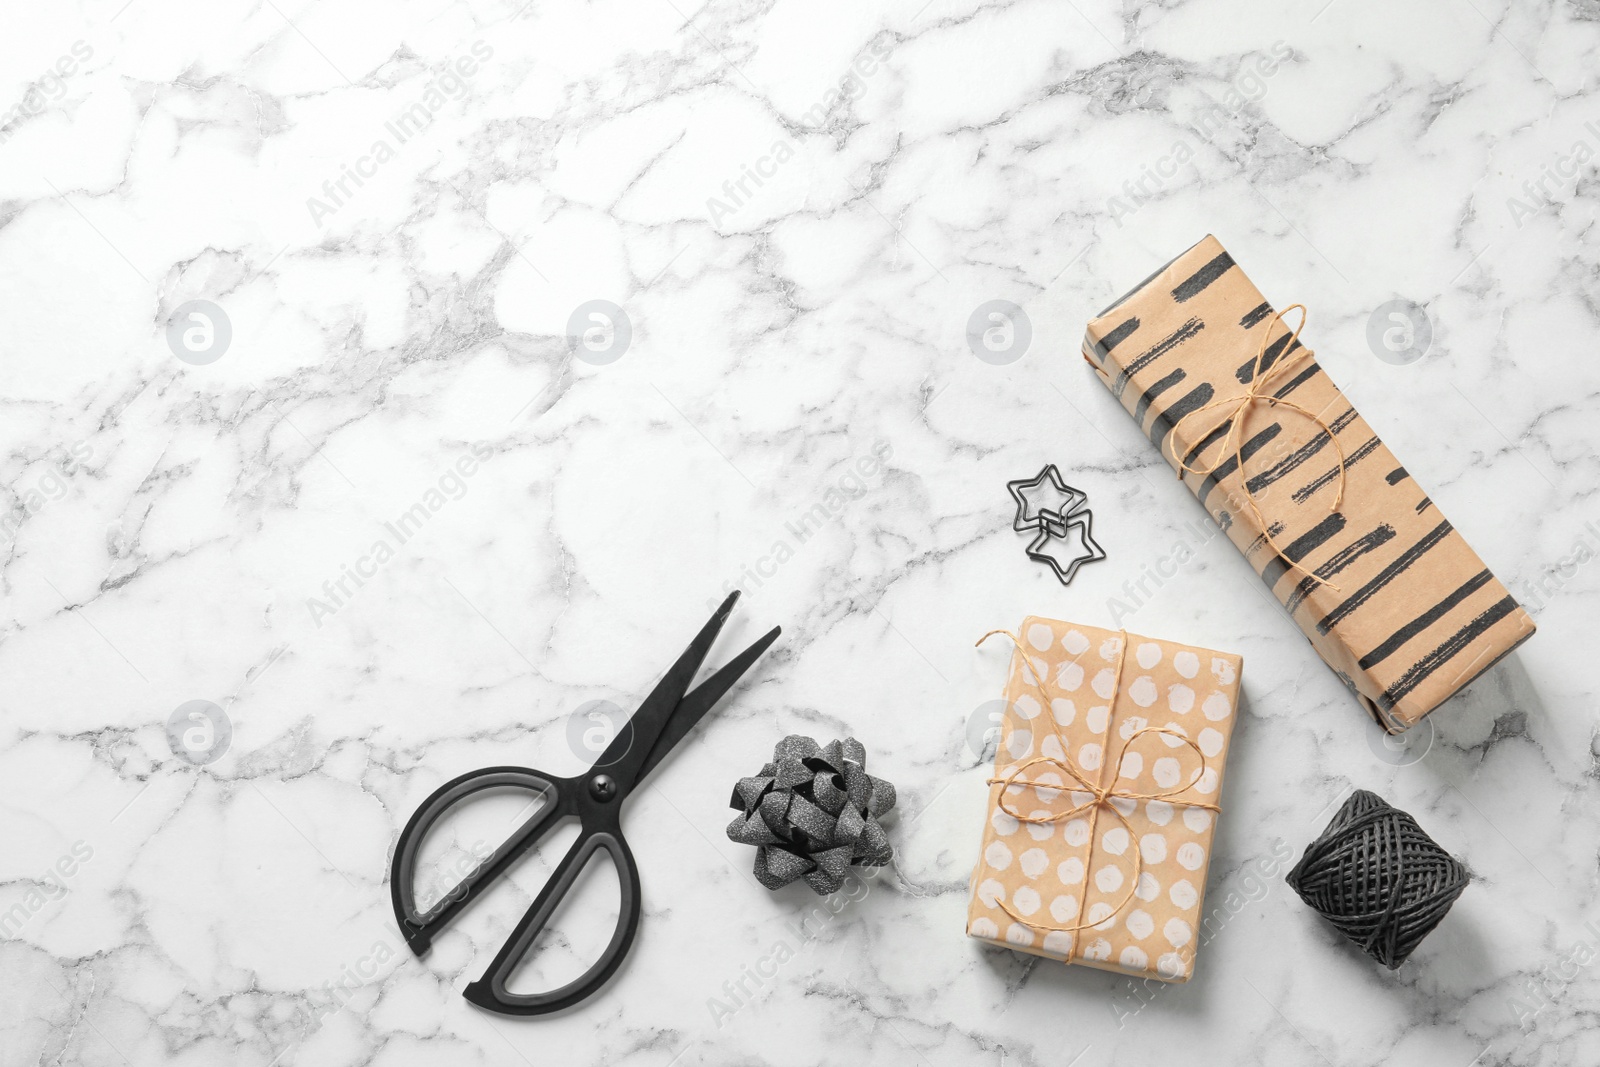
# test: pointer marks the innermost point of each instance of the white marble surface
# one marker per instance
(168, 524)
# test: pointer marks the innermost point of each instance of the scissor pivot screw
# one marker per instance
(603, 787)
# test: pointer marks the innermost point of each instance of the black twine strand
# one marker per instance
(1377, 877)
(813, 813)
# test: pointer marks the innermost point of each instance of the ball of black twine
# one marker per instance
(1378, 878)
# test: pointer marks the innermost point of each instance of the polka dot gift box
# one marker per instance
(1103, 801)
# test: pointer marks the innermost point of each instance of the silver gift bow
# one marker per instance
(813, 813)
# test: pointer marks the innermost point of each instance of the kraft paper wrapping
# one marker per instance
(1033, 879)
(1411, 614)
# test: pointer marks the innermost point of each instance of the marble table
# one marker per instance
(389, 388)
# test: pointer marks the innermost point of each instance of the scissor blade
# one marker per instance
(639, 736)
(694, 706)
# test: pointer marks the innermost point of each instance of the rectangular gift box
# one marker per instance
(1086, 709)
(1409, 614)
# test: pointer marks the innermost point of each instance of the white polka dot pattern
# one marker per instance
(1143, 691)
(1064, 909)
(1217, 707)
(1044, 778)
(1025, 900)
(1097, 718)
(1033, 862)
(1027, 885)
(1058, 943)
(1019, 743)
(1153, 847)
(1166, 772)
(1070, 677)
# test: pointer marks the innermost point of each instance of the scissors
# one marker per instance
(595, 800)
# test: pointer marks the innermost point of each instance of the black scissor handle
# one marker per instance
(568, 798)
(419, 928)
(489, 992)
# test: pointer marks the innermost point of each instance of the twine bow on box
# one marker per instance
(1101, 796)
(1238, 409)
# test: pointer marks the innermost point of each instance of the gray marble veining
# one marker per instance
(310, 503)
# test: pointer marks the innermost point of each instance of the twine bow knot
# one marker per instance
(1101, 795)
(1238, 410)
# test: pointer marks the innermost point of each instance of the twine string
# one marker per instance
(1100, 794)
(1238, 409)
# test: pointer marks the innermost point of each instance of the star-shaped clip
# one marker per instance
(1054, 508)
(1057, 499)
(1067, 550)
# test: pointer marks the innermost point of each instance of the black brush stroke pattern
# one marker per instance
(1396, 568)
(1420, 671)
(1392, 643)
(1119, 384)
(1197, 282)
(1301, 546)
(1376, 538)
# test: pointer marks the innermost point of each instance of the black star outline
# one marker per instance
(1089, 549)
(1030, 519)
